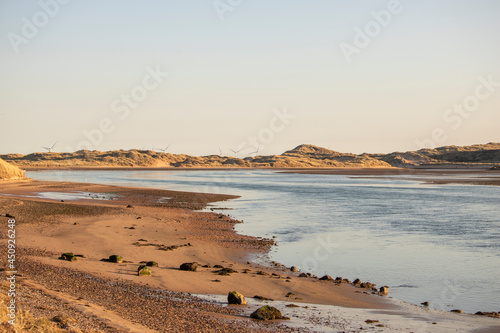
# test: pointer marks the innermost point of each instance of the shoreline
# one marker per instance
(321, 170)
(490, 177)
(393, 171)
(178, 225)
(483, 181)
(77, 226)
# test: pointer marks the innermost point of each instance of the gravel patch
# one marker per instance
(160, 310)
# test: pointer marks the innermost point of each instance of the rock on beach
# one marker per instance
(235, 297)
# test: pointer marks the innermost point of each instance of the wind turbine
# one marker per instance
(220, 152)
(236, 151)
(50, 149)
(164, 150)
(256, 152)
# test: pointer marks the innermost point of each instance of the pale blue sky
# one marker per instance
(227, 76)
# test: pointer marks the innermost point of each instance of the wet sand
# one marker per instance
(394, 171)
(161, 226)
(459, 176)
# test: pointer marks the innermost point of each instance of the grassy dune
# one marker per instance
(303, 156)
(9, 171)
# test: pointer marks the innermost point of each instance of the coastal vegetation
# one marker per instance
(302, 156)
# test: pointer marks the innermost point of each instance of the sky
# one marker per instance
(210, 76)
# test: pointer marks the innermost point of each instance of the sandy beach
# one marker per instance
(167, 227)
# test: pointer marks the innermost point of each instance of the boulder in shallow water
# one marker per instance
(293, 269)
(235, 297)
(326, 278)
(385, 290)
(267, 313)
(488, 314)
(367, 285)
(303, 275)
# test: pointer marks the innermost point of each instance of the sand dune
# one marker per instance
(9, 171)
(303, 156)
(475, 154)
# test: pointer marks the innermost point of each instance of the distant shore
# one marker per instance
(487, 176)
(167, 227)
(304, 156)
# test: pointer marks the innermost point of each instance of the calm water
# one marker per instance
(437, 243)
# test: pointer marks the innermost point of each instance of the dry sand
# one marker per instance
(9, 171)
(172, 233)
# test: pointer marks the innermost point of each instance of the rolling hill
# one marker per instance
(303, 156)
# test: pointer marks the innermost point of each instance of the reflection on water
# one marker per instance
(437, 243)
(75, 195)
